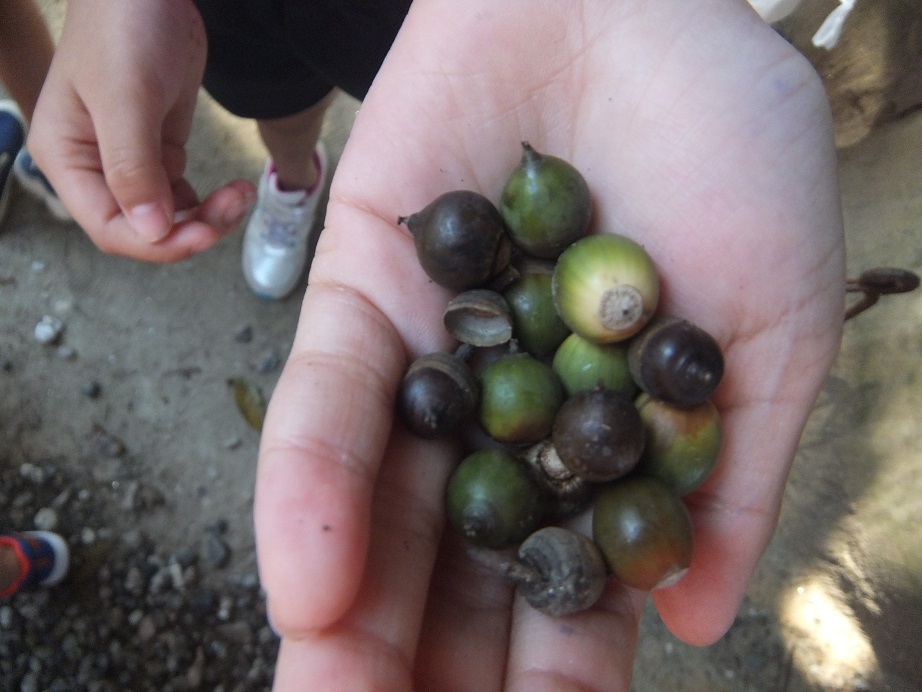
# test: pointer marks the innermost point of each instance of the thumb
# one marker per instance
(134, 166)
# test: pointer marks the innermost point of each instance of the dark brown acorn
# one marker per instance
(598, 434)
(676, 361)
(460, 239)
(569, 571)
(438, 394)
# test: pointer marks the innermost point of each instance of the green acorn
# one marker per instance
(682, 442)
(537, 327)
(545, 203)
(606, 287)
(582, 364)
(493, 500)
(644, 531)
(519, 397)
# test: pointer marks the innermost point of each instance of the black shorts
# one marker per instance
(273, 58)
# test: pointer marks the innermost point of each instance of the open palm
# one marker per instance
(703, 136)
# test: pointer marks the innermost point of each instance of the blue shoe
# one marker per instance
(35, 183)
(12, 138)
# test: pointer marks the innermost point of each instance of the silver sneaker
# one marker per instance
(278, 233)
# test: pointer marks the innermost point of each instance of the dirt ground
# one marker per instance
(139, 377)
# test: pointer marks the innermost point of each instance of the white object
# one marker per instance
(278, 232)
(774, 10)
(830, 30)
(48, 330)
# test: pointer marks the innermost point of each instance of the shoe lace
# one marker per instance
(283, 224)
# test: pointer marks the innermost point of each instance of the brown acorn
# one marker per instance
(460, 239)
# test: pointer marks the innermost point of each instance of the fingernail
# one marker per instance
(149, 221)
(182, 215)
(235, 213)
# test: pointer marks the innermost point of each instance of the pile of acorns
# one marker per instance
(587, 397)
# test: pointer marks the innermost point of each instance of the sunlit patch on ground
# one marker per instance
(828, 646)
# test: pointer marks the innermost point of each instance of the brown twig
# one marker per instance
(877, 282)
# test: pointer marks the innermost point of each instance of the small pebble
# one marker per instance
(6, 617)
(29, 683)
(87, 536)
(46, 519)
(244, 335)
(66, 352)
(32, 473)
(225, 607)
(267, 362)
(147, 628)
(215, 551)
(134, 581)
(176, 576)
(232, 442)
(48, 330)
(91, 390)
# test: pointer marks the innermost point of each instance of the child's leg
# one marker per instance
(291, 142)
(26, 49)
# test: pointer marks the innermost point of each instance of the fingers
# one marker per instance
(736, 511)
(75, 167)
(374, 644)
(464, 641)
(346, 587)
(734, 516)
(130, 153)
(325, 434)
(469, 618)
(141, 152)
(193, 228)
(591, 650)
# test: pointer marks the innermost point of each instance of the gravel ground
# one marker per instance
(129, 616)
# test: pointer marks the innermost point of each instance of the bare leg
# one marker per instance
(291, 142)
(26, 49)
